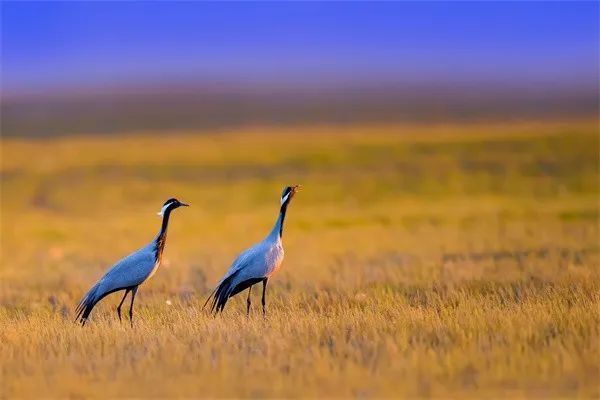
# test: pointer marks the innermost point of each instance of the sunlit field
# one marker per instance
(446, 260)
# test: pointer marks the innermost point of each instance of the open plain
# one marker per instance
(441, 260)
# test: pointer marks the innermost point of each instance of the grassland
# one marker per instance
(442, 261)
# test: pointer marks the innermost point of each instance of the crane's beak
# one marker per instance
(185, 205)
(296, 188)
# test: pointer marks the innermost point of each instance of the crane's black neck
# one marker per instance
(278, 228)
(282, 212)
(162, 234)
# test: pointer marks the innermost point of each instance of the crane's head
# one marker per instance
(170, 205)
(288, 193)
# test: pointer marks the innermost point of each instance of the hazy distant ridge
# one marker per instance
(213, 107)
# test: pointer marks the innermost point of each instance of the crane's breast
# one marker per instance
(274, 258)
(153, 270)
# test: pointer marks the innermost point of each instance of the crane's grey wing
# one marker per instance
(240, 262)
(248, 265)
(236, 265)
(127, 272)
(131, 270)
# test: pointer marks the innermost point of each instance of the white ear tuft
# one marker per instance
(162, 211)
(284, 198)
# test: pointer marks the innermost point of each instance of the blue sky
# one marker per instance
(69, 44)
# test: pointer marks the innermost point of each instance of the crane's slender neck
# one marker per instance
(162, 234)
(277, 230)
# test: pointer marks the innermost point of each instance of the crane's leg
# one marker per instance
(248, 302)
(133, 292)
(263, 296)
(121, 303)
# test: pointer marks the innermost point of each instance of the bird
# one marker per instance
(255, 264)
(129, 272)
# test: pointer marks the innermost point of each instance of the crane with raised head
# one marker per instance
(255, 264)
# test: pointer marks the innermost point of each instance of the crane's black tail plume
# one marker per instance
(86, 305)
(221, 294)
(228, 288)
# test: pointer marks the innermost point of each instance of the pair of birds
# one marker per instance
(255, 264)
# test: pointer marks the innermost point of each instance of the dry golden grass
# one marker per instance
(443, 261)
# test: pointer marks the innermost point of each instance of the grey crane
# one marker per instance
(255, 264)
(129, 272)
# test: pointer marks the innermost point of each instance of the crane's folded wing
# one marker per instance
(130, 271)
